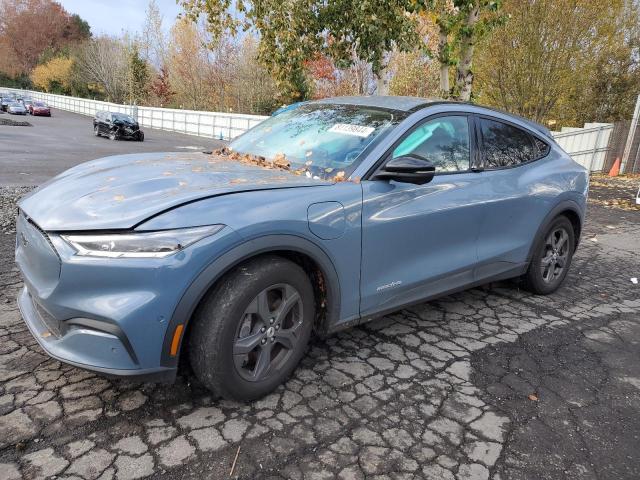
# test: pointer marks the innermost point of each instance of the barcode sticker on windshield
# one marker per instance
(357, 130)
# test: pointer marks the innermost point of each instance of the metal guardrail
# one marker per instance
(587, 146)
(220, 125)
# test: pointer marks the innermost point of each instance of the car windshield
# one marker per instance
(323, 138)
(38, 104)
(123, 117)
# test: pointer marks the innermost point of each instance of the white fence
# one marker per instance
(588, 145)
(223, 126)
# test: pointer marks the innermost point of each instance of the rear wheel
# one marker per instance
(251, 331)
(551, 258)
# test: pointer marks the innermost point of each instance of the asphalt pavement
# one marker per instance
(491, 383)
(31, 155)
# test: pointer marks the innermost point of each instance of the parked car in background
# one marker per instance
(319, 218)
(16, 108)
(117, 126)
(27, 102)
(39, 108)
(4, 103)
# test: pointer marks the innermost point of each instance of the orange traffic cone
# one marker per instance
(615, 170)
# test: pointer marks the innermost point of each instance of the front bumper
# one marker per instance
(87, 348)
(108, 315)
(127, 132)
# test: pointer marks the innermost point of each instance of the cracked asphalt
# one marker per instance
(489, 383)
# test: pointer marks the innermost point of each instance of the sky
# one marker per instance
(112, 17)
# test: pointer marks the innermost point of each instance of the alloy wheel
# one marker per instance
(268, 332)
(555, 255)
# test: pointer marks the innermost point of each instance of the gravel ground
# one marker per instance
(489, 383)
(8, 199)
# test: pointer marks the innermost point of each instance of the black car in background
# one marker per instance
(117, 126)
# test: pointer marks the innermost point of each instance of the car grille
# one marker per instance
(51, 323)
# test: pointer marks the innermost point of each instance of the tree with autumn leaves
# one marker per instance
(567, 61)
(296, 31)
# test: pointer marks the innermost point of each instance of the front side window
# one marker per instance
(444, 141)
(504, 145)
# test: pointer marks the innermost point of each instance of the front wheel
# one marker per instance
(252, 329)
(96, 131)
(551, 258)
(113, 135)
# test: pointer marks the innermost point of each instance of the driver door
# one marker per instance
(420, 240)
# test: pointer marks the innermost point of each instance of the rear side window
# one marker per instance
(505, 145)
(543, 147)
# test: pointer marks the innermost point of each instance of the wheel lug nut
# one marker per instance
(262, 330)
(264, 340)
(271, 321)
(273, 339)
(277, 327)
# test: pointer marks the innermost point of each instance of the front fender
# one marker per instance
(223, 264)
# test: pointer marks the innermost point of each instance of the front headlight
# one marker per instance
(139, 244)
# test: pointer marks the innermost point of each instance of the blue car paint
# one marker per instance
(379, 244)
(122, 191)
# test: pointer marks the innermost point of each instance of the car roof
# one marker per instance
(402, 104)
(411, 104)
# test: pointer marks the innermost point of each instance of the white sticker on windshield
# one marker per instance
(357, 130)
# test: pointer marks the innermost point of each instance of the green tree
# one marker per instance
(295, 31)
(138, 76)
(461, 25)
(561, 60)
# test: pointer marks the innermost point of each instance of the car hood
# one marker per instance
(122, 191)
(124, 123)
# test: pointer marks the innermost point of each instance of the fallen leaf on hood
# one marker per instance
(118, 198)
(339, 177)
(281, 161)
(235, 181)
(167, 174)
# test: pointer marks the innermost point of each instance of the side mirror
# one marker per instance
(407, 169)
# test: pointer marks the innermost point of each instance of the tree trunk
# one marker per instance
(382, 82)
(444, 63)
(464, 73)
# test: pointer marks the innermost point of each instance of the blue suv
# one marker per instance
(322, 217)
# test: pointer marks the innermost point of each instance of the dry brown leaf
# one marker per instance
(533, 397)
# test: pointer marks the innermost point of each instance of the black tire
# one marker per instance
(96, 131)
(225, 319)
(141, 137)
(550, 262)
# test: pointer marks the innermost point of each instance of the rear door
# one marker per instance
(420, 240)
(518, 194)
